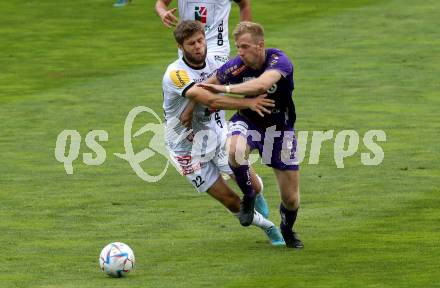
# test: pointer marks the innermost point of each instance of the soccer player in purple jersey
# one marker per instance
(257, 70)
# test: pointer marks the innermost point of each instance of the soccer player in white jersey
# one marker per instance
(184, 145)
(214, 15)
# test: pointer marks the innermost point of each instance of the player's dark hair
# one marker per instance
(186, 29)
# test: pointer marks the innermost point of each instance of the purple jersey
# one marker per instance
(277, 148)
(283, 114)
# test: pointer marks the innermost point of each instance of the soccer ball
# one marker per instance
(116, 259)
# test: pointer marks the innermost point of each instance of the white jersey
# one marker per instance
(181, 142)
(214, 14)
(178, 78)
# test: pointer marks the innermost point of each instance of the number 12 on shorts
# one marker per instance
(198, 181)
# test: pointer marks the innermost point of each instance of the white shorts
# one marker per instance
(203, 174)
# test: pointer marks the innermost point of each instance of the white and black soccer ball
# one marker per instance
(116, 259)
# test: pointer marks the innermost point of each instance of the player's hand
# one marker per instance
(260, 104)
(214, 88)
(168, 18)
(186, 119)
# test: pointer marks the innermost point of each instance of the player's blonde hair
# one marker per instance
(186, 29)
(255, 29)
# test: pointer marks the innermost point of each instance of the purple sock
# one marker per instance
(243, 178)
(288, 218)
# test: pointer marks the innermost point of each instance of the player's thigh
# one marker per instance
(238, 149)
(243, 137)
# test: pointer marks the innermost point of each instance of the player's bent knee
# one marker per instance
(237, 150)
(291, 202)
(237, 155)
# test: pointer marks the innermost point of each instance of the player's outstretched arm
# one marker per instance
(245, 10)
(252, 87)
(167, 16)
(186, 116)
(258, 104)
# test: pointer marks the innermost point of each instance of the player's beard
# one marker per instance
(196, 60)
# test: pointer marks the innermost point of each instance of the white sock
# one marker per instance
(261, 222)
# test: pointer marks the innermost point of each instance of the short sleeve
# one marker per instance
(178, 81)
(280, 62)
(231, 72)
(222, 75)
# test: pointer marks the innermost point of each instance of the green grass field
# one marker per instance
(83, 65)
